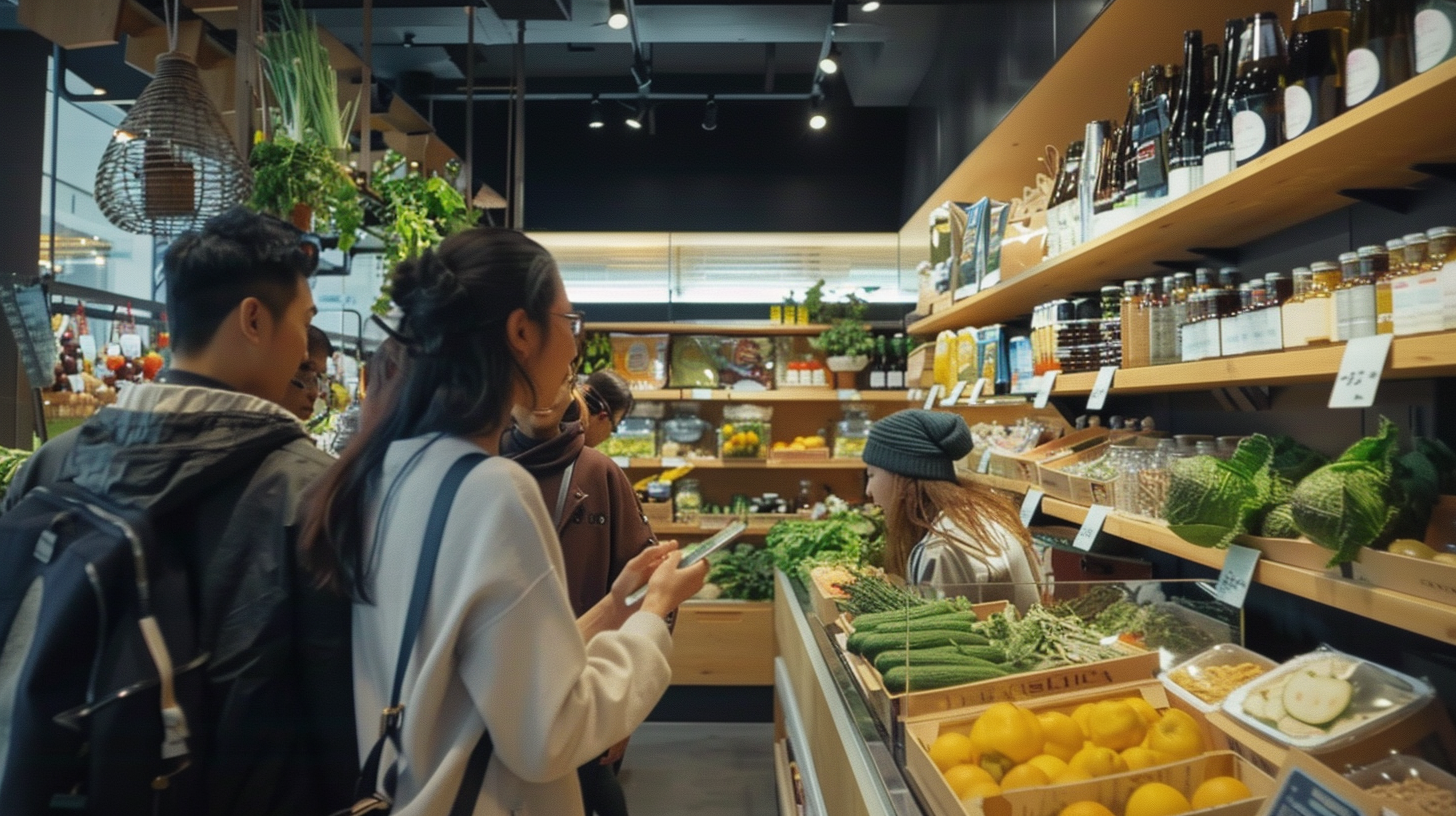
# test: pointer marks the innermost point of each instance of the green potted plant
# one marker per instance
(415, 213)
(301, 182)
(847, 343)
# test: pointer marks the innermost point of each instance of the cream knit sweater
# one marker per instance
(498, 647)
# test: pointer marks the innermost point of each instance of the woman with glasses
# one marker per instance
(608, 400)
(500, 653)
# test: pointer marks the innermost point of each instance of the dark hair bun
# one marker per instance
(430, 294)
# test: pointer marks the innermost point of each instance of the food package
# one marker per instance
(993, 358)
(1022, 370)
(946, 359)
(746, 363)
(974, 234)
(641, 359)
(988, 267)
(1205, 680)
(694, 362)
(1024, 244)
(966, 355)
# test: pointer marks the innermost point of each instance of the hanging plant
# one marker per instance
(305, 86)
(415, 213)
(288, 174)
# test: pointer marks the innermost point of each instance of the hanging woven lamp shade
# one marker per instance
(170, 165)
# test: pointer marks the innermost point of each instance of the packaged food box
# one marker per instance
(635, 437)
(1325, 700)
(746, 363)
(694, 362)
(641, 359)
(1408, 784)
(1206, 679)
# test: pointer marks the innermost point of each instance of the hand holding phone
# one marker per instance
(718, 541)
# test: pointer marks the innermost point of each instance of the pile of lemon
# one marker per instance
(742, 440)
(803, 443)
(1010, 747)
(1159, 799)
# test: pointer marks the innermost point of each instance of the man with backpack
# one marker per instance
(160, 652)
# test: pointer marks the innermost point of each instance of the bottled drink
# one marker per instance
(895, 379)
(1109, 173)
(1162, 345)
(1441, 259)
(1227, 301)
(1185, 144)
(1127, 146)
(1258, 93)
(1154, 124)
(1218, 127)
(1435, 25)
(1381, 54)
(1064, 210)
(1314, 90)
(1375, 263)
(1355, 299)
(879, 365)
(1416, 293)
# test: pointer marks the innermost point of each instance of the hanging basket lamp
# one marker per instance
(170, 164)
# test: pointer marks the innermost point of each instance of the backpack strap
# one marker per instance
(393, 716)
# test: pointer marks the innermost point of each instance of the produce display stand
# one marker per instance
(723, 643)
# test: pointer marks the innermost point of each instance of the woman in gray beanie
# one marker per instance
(940, 532)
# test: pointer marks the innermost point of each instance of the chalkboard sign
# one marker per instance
(27, 313)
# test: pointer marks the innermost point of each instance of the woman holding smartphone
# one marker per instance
(486, 325)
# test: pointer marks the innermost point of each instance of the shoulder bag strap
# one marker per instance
(561, 495)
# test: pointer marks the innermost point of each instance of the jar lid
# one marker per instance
(1394, 244)
(1349, 257)
(1415, 238)
(1323, 266)
(1371, 250)
(1440, 232)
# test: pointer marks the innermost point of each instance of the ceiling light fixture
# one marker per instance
(598, 120)
(635, 121)
(710, 114)
(830, 63)
(839, 13)
(409, 39)
(617, 18)
(817, 119)
(869, 5)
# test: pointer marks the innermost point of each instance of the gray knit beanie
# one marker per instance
(919, 444)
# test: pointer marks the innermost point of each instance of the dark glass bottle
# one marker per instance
(1127, 155)
(1109, 173)
(879, 365)
(1381, 49)
(1314, 91)
(1218, 127)
(899, 359)
(1154, 124)
(1064, 209)
(1258, 94)
(1185, 146)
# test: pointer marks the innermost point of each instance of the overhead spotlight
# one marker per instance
(409, 39)
(869, 5)
(598, 120)
(617, 18)
(710, 114)
(98, 92)
(817, 119)
(830, 63)
(839, 13)
(635, 120)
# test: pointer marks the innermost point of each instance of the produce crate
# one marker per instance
(1420, 577)
(1024, 466)
(1059, 484)
(1110, 790)
(823, 600)
(816, 455)
(723, 643)
(1296, 552)
(1136, 666)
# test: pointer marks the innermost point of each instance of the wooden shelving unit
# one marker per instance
(778, 395)
(1425, 355)
(749, 464)
(746, 329)
(1371, 146)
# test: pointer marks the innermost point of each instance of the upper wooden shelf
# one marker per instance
(1372, 146)
(779, 395)
(1424, 355)
(748, 464)
(763, 329)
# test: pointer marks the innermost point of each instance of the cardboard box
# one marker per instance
(1024, 467)
(1024, 245)
(920, 368)
(657, 513)
(1059, 484)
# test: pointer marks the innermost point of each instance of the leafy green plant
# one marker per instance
(415, 213)
(746, 573)
(1211, 501)
(853, 308)
(845, 338)
(287, 173)
(1354, 501)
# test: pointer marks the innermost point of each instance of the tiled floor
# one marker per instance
(701, 769)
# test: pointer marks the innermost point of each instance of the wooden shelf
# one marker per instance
(754, 329)
(778, 395)
(695, 530)
(989, 480)
(1373, 145)
(1425, 355)
(752, 464)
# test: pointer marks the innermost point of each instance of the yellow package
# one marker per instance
(966, 355)
(946, 363)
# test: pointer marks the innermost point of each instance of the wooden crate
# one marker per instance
(1023, 467)
(723, 643)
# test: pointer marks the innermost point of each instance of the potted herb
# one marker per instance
(415, 213)
(301, 182)
(848, 344)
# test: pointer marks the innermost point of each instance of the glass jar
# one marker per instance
(1226, 446)
(1127, 460)
(686, 434)
(687, 501)
(1441, 259)
(852, 432)
(1153, 480)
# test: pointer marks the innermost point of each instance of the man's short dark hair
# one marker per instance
(318, 342)
(237, 255)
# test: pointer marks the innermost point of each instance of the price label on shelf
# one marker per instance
(702, 393)
(1044, 391)
(1237, 574)
(1029, 506)
(913, 395)
(930, 398)
(622, 461)
(977, 391)
(984, 466)
(1091, 526)
(673, 461)
(955, 394)
(1360, 370)
(848, 395)
(1100, 388)
(1301, 793)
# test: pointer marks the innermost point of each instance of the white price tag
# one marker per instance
(78, 384)
(1098, 397)
(1091, 526)
(848, 395)
(955, 394)
(984, 466)
(1029, 506)
(1044, 392)
(1360, 369)
(977, 391)
(88, 346)
(702, 393)
(1237, 574)
(673, 461)
(131, 345)
(930, 398)
(913, 395)
(622, 461)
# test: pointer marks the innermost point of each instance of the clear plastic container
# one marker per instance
(636, 437)
(1201, 677)
(745, 439)
(852, 433)
(1399, 771)
(1377, 697)
(687, 501)
(1128, 460)
(686, 434)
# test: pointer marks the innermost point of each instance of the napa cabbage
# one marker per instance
(1354, 501)
(1212, 501)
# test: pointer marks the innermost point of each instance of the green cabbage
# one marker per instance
(1294, 461)
(1352, 502)
(1279, 523)
(1211, 501)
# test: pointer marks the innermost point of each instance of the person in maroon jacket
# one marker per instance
(601, 528)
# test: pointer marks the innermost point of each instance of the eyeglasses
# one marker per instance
(578, 321)
(320, 382)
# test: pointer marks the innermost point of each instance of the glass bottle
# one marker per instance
(1358, 291)
(1071, 219)
(900, 360)
(1319, 307)
(1126, 460)
(1182, 287)
(1441, 258)
(1258, 94)
(1154, 126)
(1415, 294)
(1319, 41)
(879, 364)
(1160, 320)
(1127, 146)
(1185, 145)
(1375, 264)
(1381, 53)
(1435, 23)
(1218, 129)
(1108, 191)
(1292, 311)
(1134, 326)
(1279, 288)
(1226, 302)
(852, 432)
(1349, 270)
(687, 501)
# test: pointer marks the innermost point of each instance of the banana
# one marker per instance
(668, 476)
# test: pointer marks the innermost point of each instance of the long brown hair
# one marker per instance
(978, 517)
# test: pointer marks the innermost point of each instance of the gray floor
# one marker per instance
(701, 769)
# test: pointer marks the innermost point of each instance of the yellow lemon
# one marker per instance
(1007, 735)
(1115, 724)
(1144, 709)
(982, 790)
(1072, 775)
(1085, 808)
(1098, 761)
(951, 749)
(1156, 799)
(1064, 737)
(1219, 790)
(1050, 765)
(1025, 776)
(1177, 735)
(1081, 716)
(1138, 757)
(962, 778)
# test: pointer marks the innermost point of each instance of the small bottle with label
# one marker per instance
(1327, 278)
(1292, 312)
(1134, 319)
(1441, 258)
(1416, 296)
(1358, 290)
(1161, 345)
(1375, 263)
(1319, 311)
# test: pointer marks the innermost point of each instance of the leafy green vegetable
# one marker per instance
(1279, 522)
(1294, 461)
(745, 573)
(792, 542)
(1212, 501)
(1352, 502)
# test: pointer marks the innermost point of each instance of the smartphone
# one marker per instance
(718, 541)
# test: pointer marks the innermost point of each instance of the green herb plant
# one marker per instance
(415, 213)
(745, 573)
(287, 173)
(845, 338)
